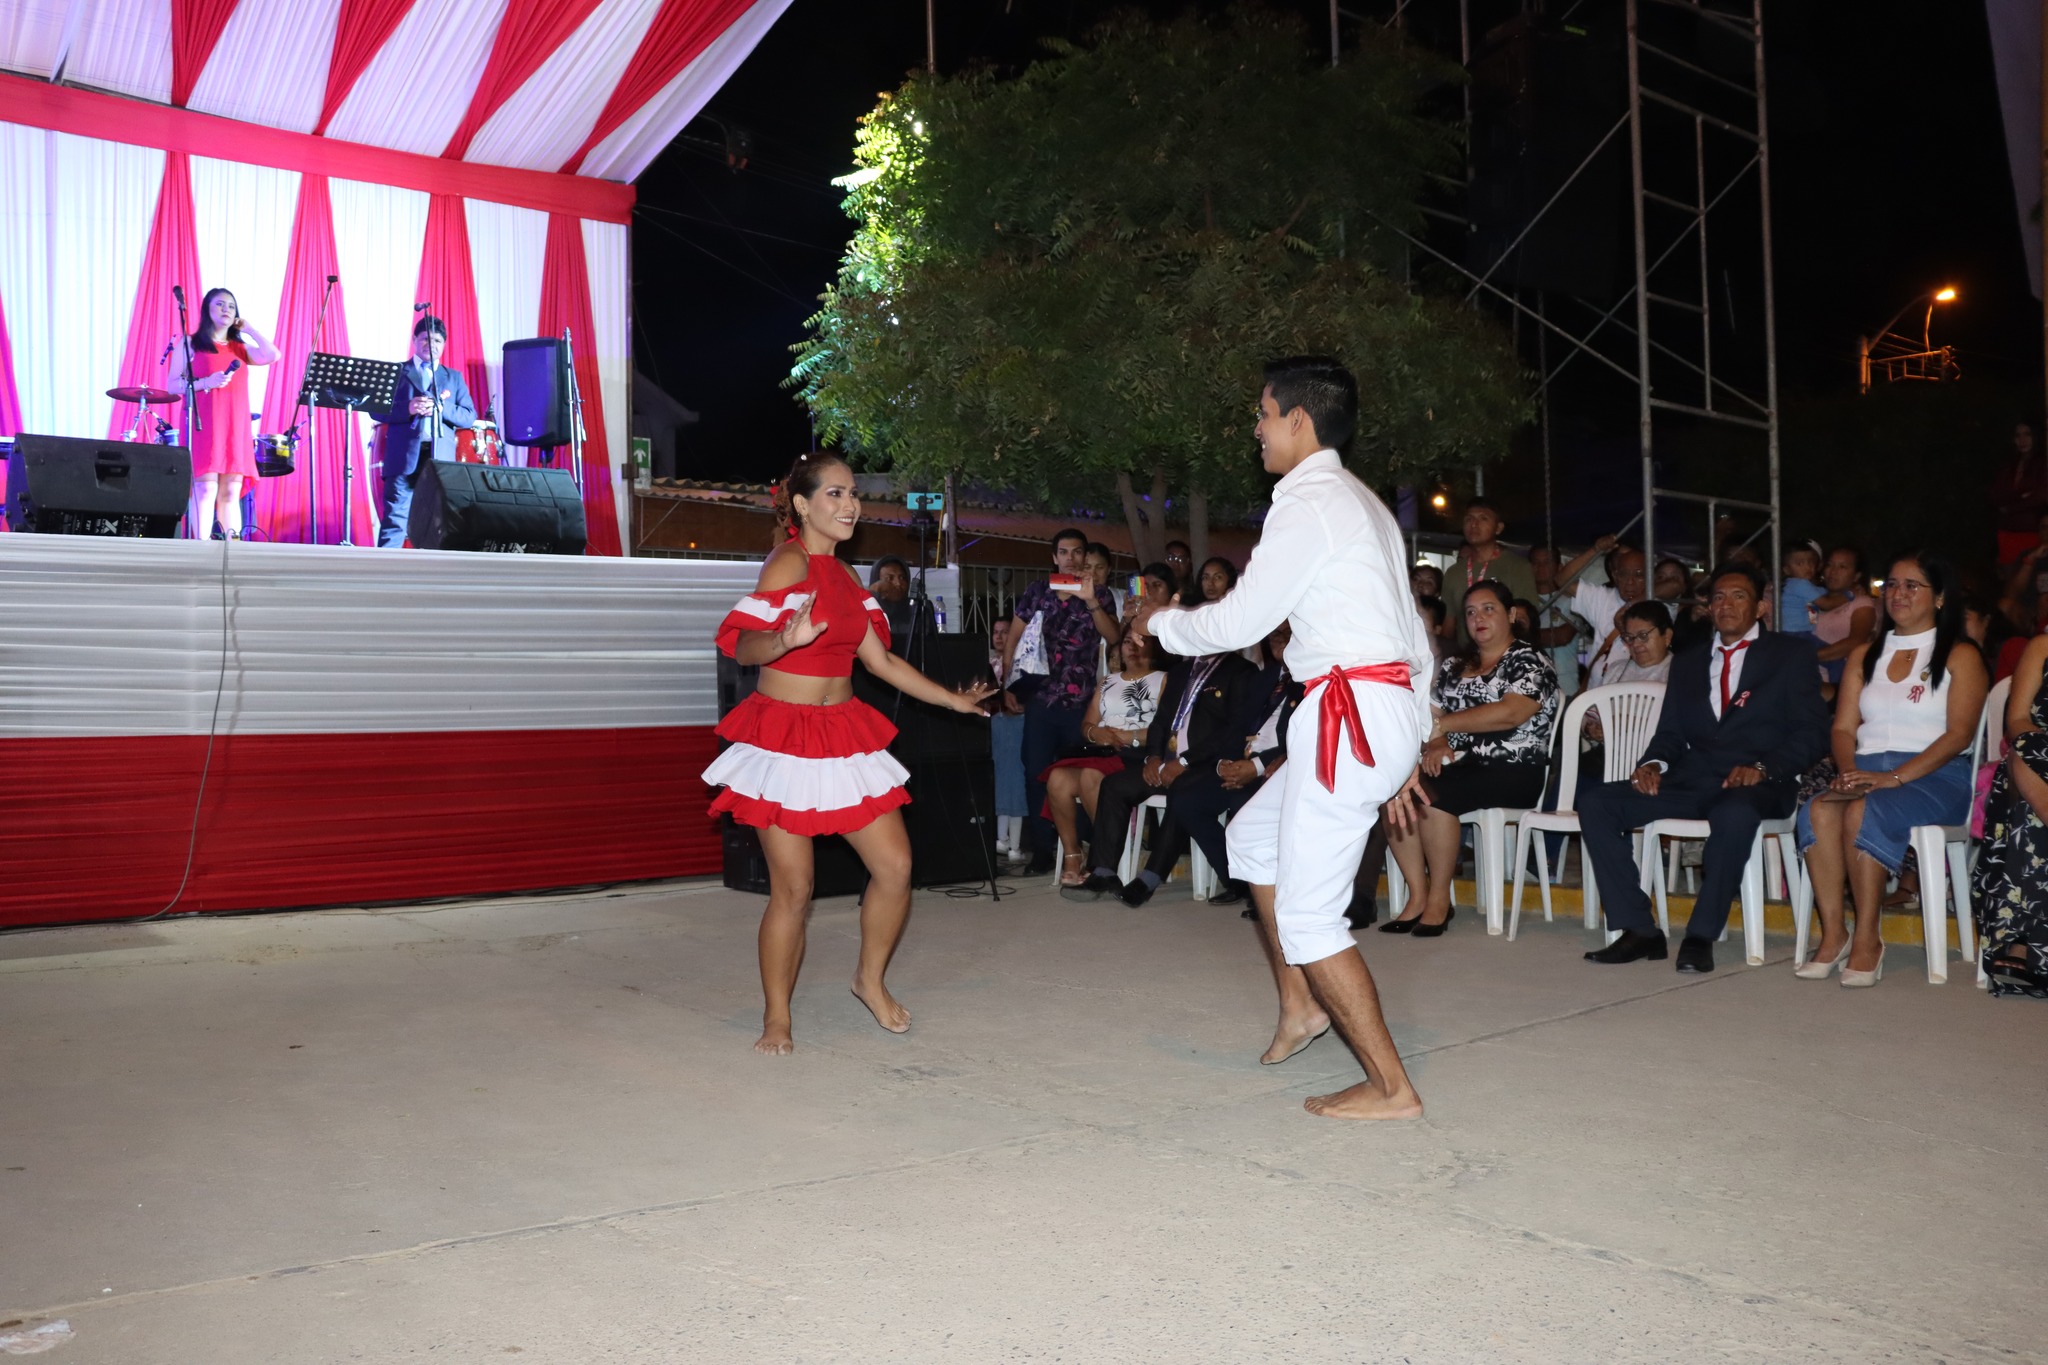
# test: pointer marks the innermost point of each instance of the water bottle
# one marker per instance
(939, 613)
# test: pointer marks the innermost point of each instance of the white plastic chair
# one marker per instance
(1133, 856)
(1942, 851)
(1752, 892)
(1490, 845)
(1202, 878)
(1628, 716)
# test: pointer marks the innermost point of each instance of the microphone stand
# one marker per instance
(312, 428)
(575, 413)
(191, 394)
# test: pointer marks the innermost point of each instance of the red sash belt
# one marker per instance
(1340, 714)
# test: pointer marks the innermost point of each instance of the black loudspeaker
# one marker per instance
(537, 392)
(495, 508)
(60, 485)
(927, 732)
(836, 869)
(952, 817)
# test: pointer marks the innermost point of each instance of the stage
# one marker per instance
(317, 725)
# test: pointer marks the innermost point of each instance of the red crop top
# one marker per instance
(845, 608)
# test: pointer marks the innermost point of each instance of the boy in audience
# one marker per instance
(1802, 587)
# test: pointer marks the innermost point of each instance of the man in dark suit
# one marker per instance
(429, 404)
(1198, 802)
(1200, 720)
(1743, 719)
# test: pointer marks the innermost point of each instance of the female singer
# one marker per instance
(223, 449)
(806, 758)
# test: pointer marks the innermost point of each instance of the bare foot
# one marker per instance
(883, 1006)
(774, 1040)
(1364, 1101)
(1293, 1035)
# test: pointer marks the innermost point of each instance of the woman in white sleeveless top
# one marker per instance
(1905, 718)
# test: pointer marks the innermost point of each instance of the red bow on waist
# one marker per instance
(1340, 714)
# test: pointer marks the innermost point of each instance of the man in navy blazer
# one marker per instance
(412, 435)
(1743, 719)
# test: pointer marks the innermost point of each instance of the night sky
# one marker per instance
(1890, 178)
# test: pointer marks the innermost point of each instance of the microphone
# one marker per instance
(334, 279)
(169, 346)
(178, 293)
(421, 307)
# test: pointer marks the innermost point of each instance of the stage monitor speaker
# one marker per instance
(496, 508)
(536, 388)
(60, 485)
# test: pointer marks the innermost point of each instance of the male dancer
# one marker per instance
(1334, 568)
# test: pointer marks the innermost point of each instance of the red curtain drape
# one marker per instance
(531, 31)
(361, 32)
(681, 30)
(447, 282)
(172, 258)
(281, 504)
(565, 302)
(195, 27)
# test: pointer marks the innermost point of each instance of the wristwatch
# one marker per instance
(1761, 769)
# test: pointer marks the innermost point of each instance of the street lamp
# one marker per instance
(1865, 344)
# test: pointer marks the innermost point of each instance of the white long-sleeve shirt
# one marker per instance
(1331, 562)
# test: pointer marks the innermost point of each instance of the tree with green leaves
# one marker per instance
(1066, 281)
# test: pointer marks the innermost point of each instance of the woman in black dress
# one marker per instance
(2010, 884)
(1495, 703)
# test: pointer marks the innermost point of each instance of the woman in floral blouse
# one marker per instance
(1491, 747)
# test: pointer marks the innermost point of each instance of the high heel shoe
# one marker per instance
(1399, 926)
(1422, 930)
(1817, 970)
(1854, 979)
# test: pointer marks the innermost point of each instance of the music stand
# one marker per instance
(352, 384)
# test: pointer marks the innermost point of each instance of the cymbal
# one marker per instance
(142, 394)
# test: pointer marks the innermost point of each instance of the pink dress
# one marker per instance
(224, 445)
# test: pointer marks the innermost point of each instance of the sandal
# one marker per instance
(1071, 871)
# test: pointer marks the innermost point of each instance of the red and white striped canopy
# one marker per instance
(586, 87)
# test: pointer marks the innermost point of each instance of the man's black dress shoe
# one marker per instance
(1695, 955)
(1633, 946)
(1230, 893)
(1135, 893)
(1093, 889)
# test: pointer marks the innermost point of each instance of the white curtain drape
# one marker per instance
(637, 141)
(242, 217)
(379, 233)
(123, 46)
(32, 37)
(102, 200)
(270, 65)
(25, 267)
(507, 250)
(429, 69)
(548, 117)
(607, 256)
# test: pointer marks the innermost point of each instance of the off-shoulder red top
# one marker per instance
(846, 610)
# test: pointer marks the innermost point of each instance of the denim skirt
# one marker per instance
(1890, 813)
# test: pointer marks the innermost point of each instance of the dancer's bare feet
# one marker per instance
(1365, 1101)
(1293, 1035)
(775, 1040)
(883, 1006)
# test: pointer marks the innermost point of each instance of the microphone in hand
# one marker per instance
(169, 346)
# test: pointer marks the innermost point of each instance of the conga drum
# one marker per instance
(479, 444)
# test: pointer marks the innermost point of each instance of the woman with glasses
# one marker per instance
(1905, 717)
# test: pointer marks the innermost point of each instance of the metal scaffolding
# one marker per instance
(1700, 200)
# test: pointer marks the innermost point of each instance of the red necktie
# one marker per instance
(1728, 653)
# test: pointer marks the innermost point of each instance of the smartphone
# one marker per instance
(1137, 585)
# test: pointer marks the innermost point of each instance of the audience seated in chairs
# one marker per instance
(1742, 720)
(1198, 803)
(2009, 887)
(1905, 719)
(1199, 721)
(1113, 732)
(1490, 747)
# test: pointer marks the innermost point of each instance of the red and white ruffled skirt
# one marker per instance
(806, 769)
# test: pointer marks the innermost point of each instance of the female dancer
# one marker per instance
(806, 758)
(223, 449)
